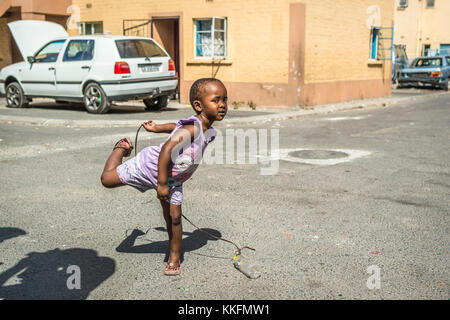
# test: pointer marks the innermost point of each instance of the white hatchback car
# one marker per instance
(95, 70)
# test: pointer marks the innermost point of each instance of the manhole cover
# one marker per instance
(318, 154)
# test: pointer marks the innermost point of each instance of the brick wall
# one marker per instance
(337, 39)
(5, 47)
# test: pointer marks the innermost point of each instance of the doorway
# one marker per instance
(165, 31)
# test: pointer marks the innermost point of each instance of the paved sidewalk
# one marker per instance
(45, 112)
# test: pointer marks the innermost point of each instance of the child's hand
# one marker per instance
(163, 192)
(150, 126)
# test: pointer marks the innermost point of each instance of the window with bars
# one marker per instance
(381, 43)
(211, 38)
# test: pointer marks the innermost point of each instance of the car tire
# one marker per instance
(445, 86)
(155, 104)
(95, 99)
(15, 97)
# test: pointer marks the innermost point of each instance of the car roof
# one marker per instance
(106, 36)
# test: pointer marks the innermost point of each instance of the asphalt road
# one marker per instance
(317, 228)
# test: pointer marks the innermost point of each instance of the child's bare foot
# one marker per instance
(126, 145)
(172, 269)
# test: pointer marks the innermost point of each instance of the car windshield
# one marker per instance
(136, 48)
(430, 62)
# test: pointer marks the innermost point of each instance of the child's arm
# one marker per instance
(151, 126)
(180, 136)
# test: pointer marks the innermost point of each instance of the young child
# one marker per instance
(167, 166)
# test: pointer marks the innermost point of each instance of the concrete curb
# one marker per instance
(283, 115)
(329, 108)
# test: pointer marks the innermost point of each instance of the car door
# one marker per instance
(74, 67)
(38, 78)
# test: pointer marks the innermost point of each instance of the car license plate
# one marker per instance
(150, 67)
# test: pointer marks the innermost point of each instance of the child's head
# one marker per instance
(206, 93)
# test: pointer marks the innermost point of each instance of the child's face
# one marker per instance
(213, 102)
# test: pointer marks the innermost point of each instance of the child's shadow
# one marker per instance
(194, 240)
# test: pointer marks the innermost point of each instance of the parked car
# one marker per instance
(428, 71)
(94, 70)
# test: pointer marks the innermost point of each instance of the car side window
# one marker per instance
(50, 52)
(448, 60)
(79, 50)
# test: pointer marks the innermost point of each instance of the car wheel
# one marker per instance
(95, 99)
(15, 97)
(158, 103)
(445, 86)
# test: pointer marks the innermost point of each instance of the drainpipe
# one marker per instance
(419, 31)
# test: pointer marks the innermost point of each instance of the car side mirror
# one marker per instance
(31, 59)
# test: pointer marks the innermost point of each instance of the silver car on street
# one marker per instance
(427, 71)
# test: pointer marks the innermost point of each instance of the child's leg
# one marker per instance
(109, 177)
(172, 215)
(166, 213)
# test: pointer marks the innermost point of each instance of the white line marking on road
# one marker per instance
(343, 118)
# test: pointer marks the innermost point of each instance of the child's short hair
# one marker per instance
(196, 89)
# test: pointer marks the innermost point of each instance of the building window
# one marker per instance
(444, 49)
(87, 28)
(211, 38)
(430, 3)
(402, 4)
(374, 35)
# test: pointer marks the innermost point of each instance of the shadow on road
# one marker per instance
(45, 275)
(10, 232)
(194, 241)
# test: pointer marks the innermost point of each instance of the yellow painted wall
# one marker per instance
(337, 38)
(417, 25)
